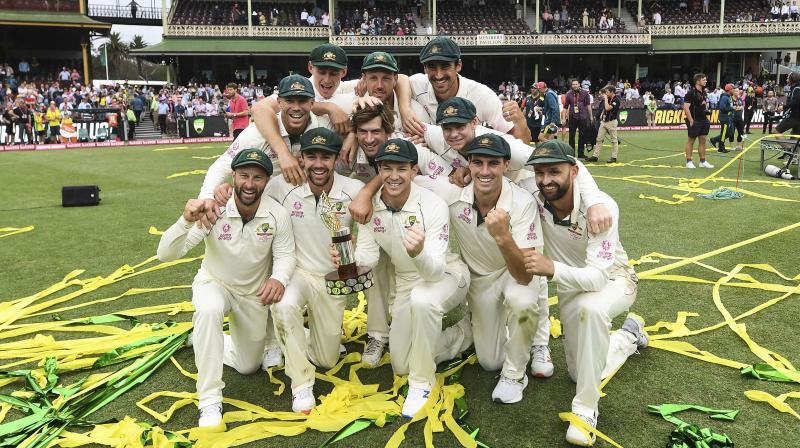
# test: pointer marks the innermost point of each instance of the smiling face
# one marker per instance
(380, 84)
(487, 173)
(319, 167)
(555, 179)
(295, 113)
(443, 76)
(458, 135)
(326, 79)
(248, 184)
(371, 135)
(396, 178)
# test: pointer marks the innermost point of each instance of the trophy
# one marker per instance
(348, 278)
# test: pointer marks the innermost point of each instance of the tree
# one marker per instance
(118, 51)
(137, 43)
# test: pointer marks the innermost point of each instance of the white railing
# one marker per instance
(498, 39)
(242, 31)
(743, 28)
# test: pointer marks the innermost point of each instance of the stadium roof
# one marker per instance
(53, 19)
(212, 46)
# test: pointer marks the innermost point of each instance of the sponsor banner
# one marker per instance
(677, 117)
(195, 127)
(51, 147)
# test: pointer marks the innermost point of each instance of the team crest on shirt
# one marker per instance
(226, 233)
(265, 231)
(575, 231)
(297, 211)
(339, 209)
(378, 225)
(532, 232)
(410, 221)
(466, 215)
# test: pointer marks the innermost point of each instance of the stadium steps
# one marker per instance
(146, 129)
(631, 24)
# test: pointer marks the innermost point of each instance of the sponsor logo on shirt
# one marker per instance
(466, 215)
(435, 168)
(605, 251)
(226, 233)
(445, 234)
(532, 232)
(264, 232)
(378, 227)
(233, 149)
(298, 210)
(272, 154)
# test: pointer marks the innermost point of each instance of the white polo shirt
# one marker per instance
(583, 262)
(312, 238)
(478, 247)
(520, 152)
(238, 256)
(387, 229)
(249, 138)
(487, 104)
(364, 170)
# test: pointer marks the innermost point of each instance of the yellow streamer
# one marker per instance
(8, 231)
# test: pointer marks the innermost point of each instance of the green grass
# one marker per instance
(136, 194)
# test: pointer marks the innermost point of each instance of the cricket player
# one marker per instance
(249, 259)
(495, 223)
(319, 150)
(441, 59)
(595, 283)
(411, 226)
(328, 65)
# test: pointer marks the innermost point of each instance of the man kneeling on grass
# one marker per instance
(248, 262)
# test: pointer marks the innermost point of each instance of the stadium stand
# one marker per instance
(575, 23)
(39, 5)
(383, 20)
(227, 13)
(494, 18)
(673, 13)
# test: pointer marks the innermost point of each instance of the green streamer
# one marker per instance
(765, 372)
(353, 428)
(687, 435)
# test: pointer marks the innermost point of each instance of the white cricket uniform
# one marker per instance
(487, 105)
(504, 313)
(427, 286)
(307, 286)
(239, 258)
(595, 284)
(520, 152)
(251, 138)
(382, 291)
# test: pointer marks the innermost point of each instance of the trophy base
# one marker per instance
(338, 285)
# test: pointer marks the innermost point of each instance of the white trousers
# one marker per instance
(416, 340)
(248, 325)
(542, 336)
(379, 298)
(586, 321)
(325, 314)
(505, 317)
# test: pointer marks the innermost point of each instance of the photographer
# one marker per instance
(695, 107)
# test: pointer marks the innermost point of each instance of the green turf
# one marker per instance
(136, 194)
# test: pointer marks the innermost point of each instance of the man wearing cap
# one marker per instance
(248, 262)
(327, 65)
(319, 151)
(295, 98)
(725, 119)
(372, 126)
(441, 59)
(579, 114)
(411, 226)
(495, 224)
(551, 112)
(595, 283)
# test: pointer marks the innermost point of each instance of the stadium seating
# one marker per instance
(575, 22)
(498, 17)
(671, 13)
(219, 12)
(350, 15)
(40, 5)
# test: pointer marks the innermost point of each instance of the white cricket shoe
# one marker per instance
(509, 391)
(273, 357)
(303, 401)
(576, 437)
(705, 164)
(634, 324)
(373, 352)
(541, 362)
(210, 416)
(690, 164)
(415, 400)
